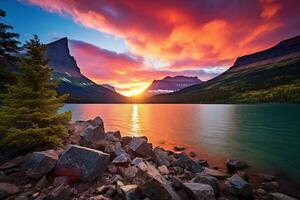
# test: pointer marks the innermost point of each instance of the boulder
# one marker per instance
(153, 184)
(116, 134)
(209, 180)
(199, 191)
(234, 165)
(91, 134)
(122, 159)
(194, 166)
(237, 186)
(181, 160)
(81, 163)
(161, 157)
(40, 163)
(7, 189)
(78, 127)
(140, 146)
(131, 192)
(126, 140)
(281, 196)
(115, 149)
(215, 173)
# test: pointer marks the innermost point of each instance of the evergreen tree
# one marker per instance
(8, 48)
(29, 115)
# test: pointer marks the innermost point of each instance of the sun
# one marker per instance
(133, 92)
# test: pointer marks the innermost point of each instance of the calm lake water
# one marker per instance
(266, 136)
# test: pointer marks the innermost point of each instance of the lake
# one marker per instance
(266, 136)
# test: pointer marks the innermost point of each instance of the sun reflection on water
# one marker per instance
(135, 121)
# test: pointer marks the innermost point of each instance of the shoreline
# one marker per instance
(131, 162)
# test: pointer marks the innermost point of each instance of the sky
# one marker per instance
(129, 43)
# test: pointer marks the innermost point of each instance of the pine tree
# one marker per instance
(29, 115)
(8, 49)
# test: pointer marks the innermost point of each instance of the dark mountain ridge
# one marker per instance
(272, 75)
(80, 88)
(171, 84)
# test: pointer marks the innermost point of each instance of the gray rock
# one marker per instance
(91, 134)
(215, 173)
(153, 184)
(116, 134)
(40, 163)
(80, 163)
(136, 161)
(281, 196)
(128, 172)
(209, 180)
(115, 149)
(161, 157)
(126, 140)
(271, 186)
(140, 146)
(237, 186)
(131, 192)
(7, 189)
(122, 159)
(234, 165)
(194, 166)
(199, 191)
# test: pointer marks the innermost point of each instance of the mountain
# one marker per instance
(171, 84)
(80, 88)
(272, 75)
(110, 87)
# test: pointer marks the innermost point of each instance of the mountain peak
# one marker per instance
(171, 84)
(61, 60)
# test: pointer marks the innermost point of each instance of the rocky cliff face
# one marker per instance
(171, 84)
(80, 88)
(283, 51)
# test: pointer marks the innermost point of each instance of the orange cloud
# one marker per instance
(179, 35)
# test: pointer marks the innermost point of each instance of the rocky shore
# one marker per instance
(99, 165)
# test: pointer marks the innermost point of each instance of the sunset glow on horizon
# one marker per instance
(130, 43)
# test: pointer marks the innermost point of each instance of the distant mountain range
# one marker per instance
(272, 75)
(171, 84)
(79, 87)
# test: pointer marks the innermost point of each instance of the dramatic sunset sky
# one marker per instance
(128, 43)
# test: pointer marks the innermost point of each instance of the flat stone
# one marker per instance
(7, 189)
(199, 191)
(81, 163)
(153, 184)
(281, 196)
(40, 163)
(215, 173)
